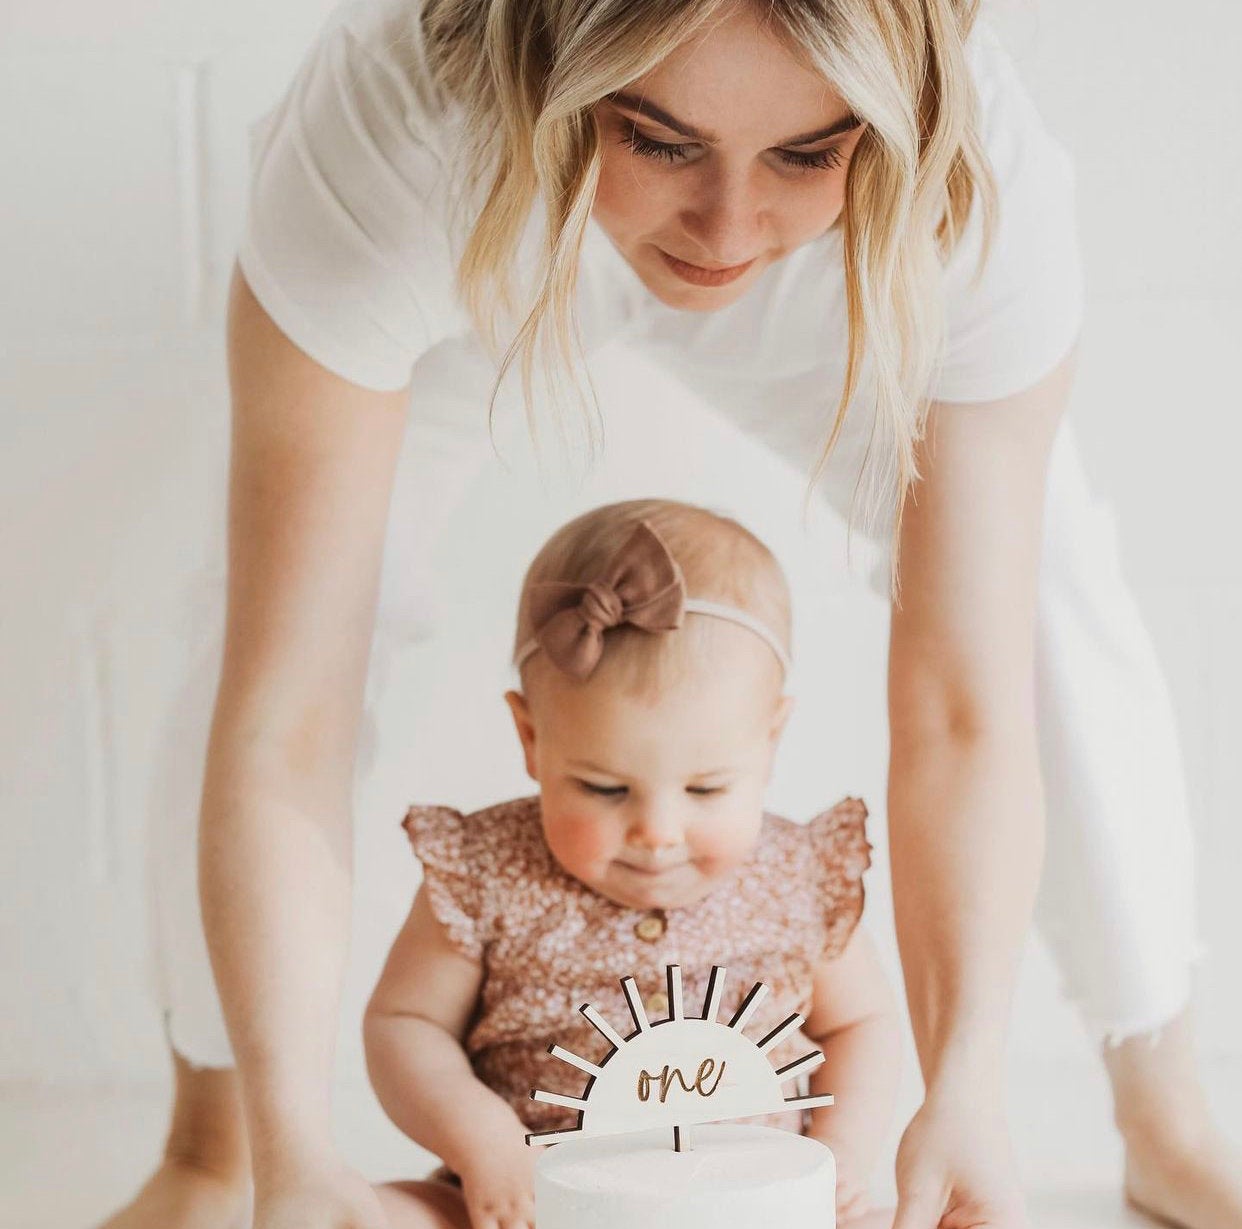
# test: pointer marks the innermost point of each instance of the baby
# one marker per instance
(652, 645)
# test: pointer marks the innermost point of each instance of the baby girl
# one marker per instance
(652, 645)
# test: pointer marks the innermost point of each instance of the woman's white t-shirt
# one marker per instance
(351, 246)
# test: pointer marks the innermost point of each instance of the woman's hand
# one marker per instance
(955, 1170)
(304, 1196)
(499, 1187)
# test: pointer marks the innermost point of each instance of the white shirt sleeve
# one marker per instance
(1020, 319)
(347, 244)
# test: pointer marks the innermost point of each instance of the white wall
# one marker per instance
(123, 156)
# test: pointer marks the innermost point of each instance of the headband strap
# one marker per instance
(642, 586)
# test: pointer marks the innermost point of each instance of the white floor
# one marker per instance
(69, 1155)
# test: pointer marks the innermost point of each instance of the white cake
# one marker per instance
(733, 1177)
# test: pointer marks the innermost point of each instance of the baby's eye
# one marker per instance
(703, 791)
(603, 791)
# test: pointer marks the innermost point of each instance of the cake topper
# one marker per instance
(680, 1071)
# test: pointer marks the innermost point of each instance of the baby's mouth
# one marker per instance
(655, 866)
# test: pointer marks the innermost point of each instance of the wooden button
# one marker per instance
(651, 927)
(657, 1004)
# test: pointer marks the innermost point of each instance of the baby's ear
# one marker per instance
(525, 727)
(780, 715)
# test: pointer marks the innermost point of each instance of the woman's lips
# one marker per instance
(696, 275)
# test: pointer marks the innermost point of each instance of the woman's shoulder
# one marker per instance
(1009, 323)
(348, 243)
(1012, 128)
(385, 42)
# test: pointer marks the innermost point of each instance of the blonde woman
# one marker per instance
(845, 225)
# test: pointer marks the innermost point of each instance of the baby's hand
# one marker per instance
(852, 1198)
(499, 1187)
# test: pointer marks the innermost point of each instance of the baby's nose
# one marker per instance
(657, 830)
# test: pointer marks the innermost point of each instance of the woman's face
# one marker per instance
(721, 160)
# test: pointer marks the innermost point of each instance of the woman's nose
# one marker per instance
(727, 220)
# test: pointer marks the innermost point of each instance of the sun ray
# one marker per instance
(557, 1098)
(602, 1027)
(715, 990)
(574, 1060)
(675, 1007)
(757, 993)
(635, 1001)
(789, 1025)
(812, 1101)
(552, 1137)
(800, 1066)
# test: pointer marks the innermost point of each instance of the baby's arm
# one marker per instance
(855, 1021)
(415, 1022)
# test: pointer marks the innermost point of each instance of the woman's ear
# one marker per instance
(525, 727)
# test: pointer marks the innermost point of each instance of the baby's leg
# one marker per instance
(423, 1205)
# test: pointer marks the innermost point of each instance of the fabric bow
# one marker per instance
(642, 586)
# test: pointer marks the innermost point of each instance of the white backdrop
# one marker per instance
(122, 143)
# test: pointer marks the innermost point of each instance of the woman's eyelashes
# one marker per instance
(664, 151)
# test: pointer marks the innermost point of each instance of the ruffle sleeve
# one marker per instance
(841, 853)
(443, 841)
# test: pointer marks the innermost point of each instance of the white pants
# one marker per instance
(1118, 832)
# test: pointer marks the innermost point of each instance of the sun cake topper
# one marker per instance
(682, 1070)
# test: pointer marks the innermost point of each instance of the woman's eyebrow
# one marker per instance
(644, 107)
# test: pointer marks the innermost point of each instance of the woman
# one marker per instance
(846, 226)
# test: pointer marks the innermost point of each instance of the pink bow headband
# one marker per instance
(642, 586)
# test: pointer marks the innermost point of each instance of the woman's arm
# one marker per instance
(855, 1021)
(311, 471)
(965, 800)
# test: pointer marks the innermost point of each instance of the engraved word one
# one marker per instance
(666, 1077)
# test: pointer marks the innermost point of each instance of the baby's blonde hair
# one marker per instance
(528, 75)
(721, 561)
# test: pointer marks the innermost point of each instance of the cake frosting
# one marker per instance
(734, 1176)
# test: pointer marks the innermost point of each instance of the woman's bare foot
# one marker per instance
(180, 1195)
(1180, 1168)
(203, 1180)
(1194, 1184)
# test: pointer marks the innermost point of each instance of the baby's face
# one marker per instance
(653, 803)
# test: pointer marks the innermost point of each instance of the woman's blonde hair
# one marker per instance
(528, 74)
(720, 559)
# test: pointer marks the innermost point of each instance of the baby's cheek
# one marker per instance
(727, 841)
(579, 842)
